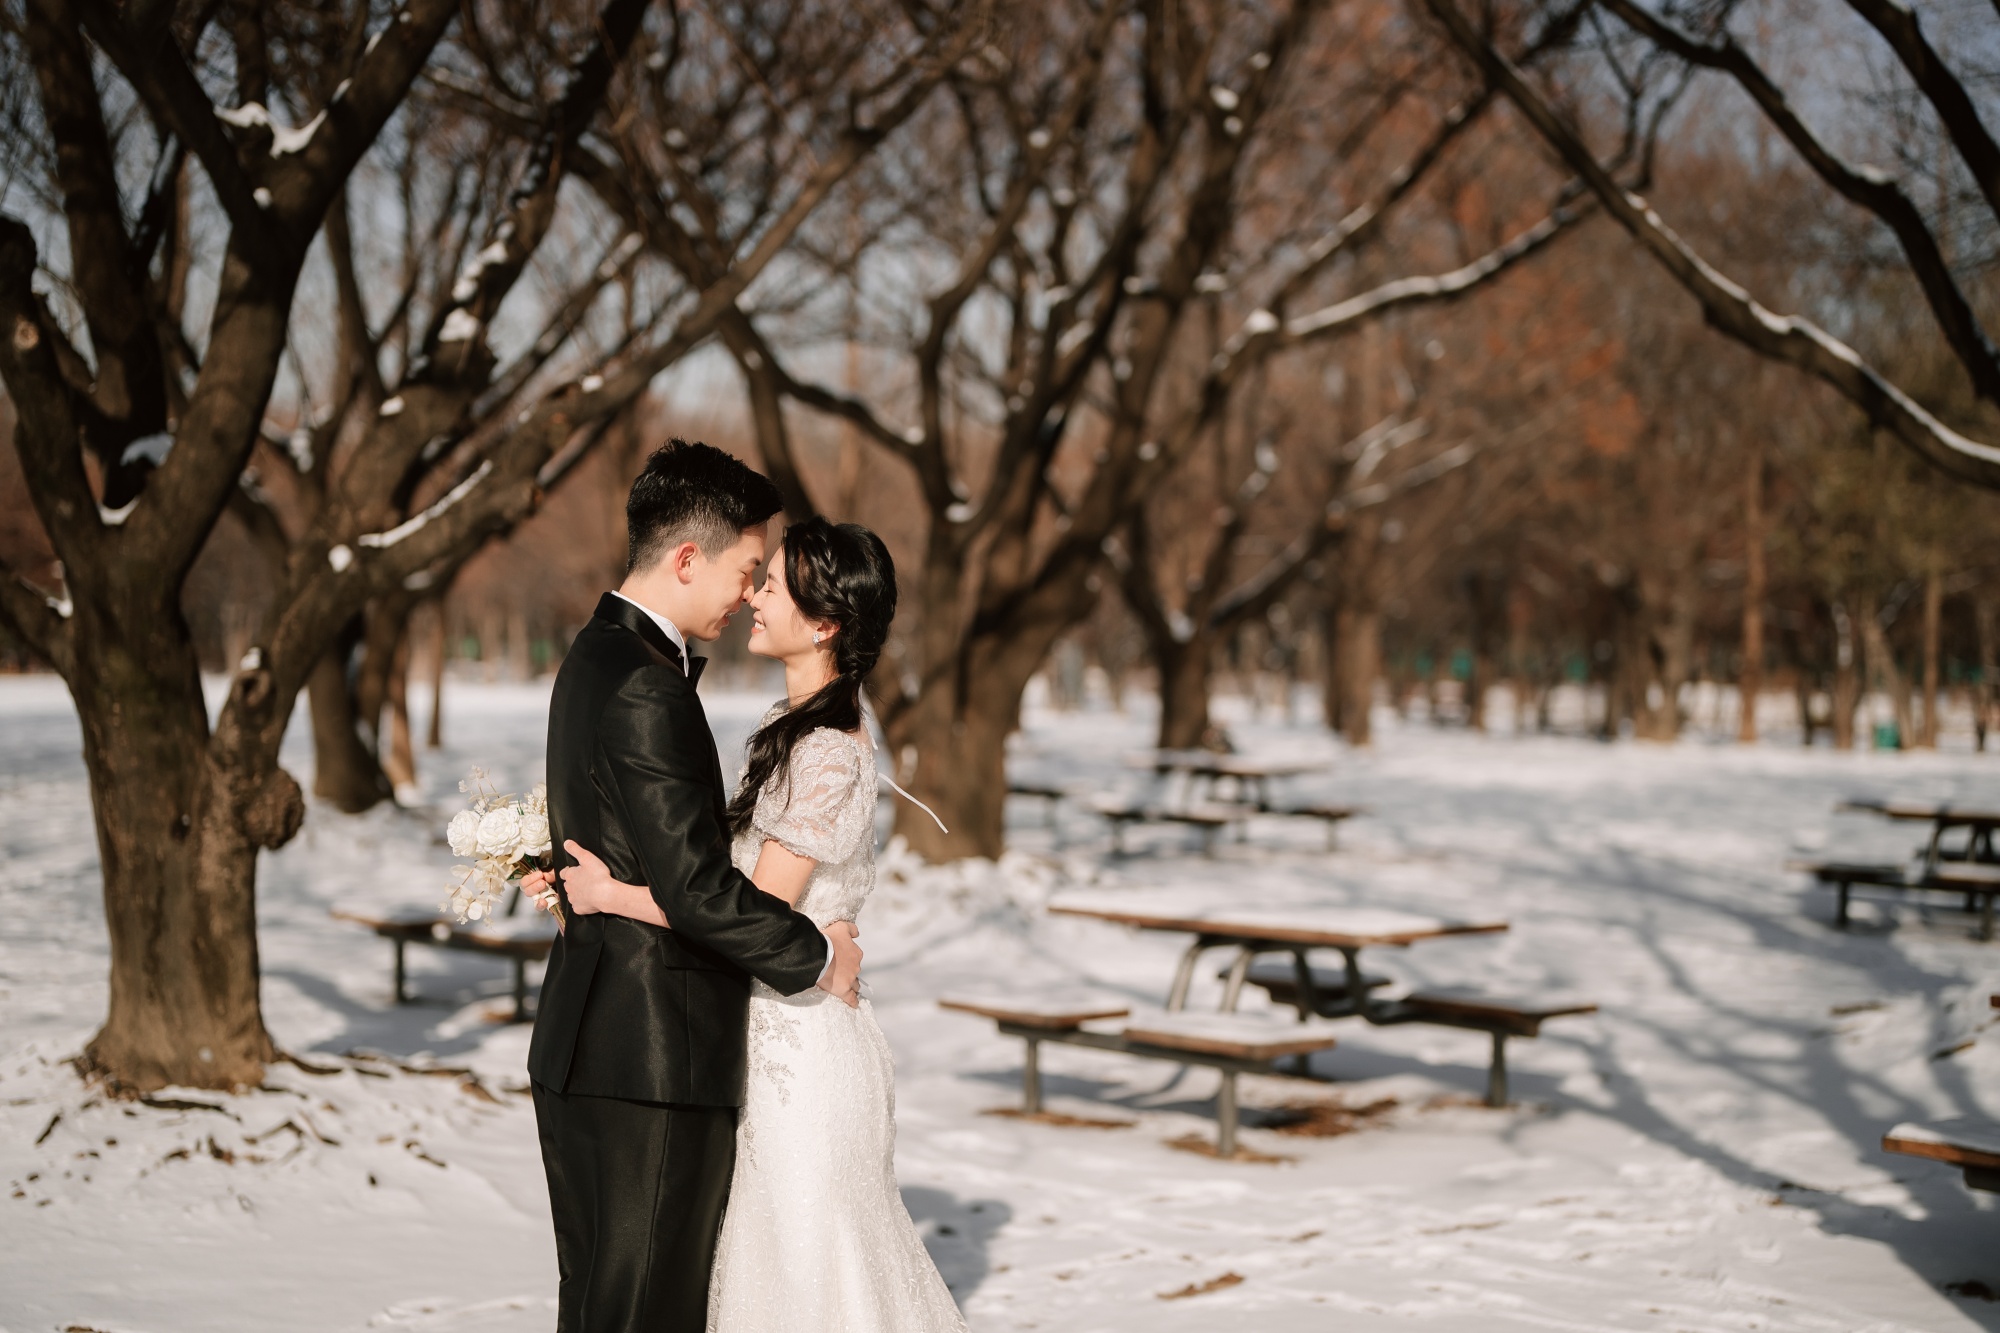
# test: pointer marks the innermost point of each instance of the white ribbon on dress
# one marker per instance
(898, 790)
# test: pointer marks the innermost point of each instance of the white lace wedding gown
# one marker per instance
(815, 1238)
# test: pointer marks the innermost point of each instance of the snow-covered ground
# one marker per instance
(1702, 1155)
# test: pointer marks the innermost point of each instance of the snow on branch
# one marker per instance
(1438, 287)
(1381, 492)
(383, 540)
(1787, 338)
(1864, 186)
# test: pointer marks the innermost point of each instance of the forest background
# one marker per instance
(1246, 346)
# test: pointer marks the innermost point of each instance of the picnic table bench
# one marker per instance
(1971, 1145)
(1971, 869)
(1049, 794)
(1233, 1044)
(1206, 769)
(1209, 817)
(1195, 801)
(1326, 993)
(1943, 817)
(1978, 882)
(434, 931)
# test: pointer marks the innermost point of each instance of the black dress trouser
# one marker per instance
(637, 1191)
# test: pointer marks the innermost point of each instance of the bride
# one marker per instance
(815, 1237)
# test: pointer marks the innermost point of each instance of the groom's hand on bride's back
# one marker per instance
(842, 978)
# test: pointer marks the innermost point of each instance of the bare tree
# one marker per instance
(136, 431)
(1073, 202)
(1794, 339)
(427, 443)
(1183, 633)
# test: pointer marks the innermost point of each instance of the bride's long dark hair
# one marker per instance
(842, 573)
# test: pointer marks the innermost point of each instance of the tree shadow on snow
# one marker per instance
(1955, 1241)
(441, 987)
(957, 1234)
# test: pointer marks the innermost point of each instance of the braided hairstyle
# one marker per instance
(837, 572)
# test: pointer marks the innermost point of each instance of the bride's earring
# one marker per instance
(817, 636)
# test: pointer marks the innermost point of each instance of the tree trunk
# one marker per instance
(952, 752)
(381, 689)
(346, 773)
(400, 764)
(1358, 665)
(1883, 673)
(1475, 691)
(1756, 579)
(1184, 686)
(179, 820)
(1802, 694)
(1333, 643)
(1988, 691)
(434, 737)
(1846, 694)
(1927, 736)
(1667, 645)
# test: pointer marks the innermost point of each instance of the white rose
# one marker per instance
(499, 831)
(463, 833)
(534, 834)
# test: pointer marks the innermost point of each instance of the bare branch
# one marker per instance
(1344, 315)
(36, 618)
(45, 428)
(1865, 186)
(1900, 26)
(1788, 338)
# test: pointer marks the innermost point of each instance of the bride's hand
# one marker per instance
(539, 888)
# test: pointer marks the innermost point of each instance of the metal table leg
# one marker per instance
(1225, 1116)
(1934, 848)
(1237, 971)
(1357, 989)
(1031, 1079)
(520, 990)
(402, 989)
(1302, 984)
(1184, 975)
(1307, 1004)
(1496, 1074)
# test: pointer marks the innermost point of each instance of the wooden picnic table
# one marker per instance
(1971, 1145)
(1973, 870)
(1942, 816)
(520, 942)
(1252, 776)
(1252, 931)
(1347, 994)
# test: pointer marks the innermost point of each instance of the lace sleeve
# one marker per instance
(814, 812)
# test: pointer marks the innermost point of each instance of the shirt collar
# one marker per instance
(667, 627)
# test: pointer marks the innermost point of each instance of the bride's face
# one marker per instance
(777, 627)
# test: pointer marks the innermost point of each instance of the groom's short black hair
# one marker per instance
(693, 493)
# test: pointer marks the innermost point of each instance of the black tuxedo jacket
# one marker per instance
(628, 1009)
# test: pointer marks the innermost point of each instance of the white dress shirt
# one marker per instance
(674, 636)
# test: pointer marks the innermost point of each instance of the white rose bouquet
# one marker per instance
(504, 837)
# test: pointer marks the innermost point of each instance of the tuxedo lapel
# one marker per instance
(625, 615)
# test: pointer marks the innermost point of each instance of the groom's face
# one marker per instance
(716, 588)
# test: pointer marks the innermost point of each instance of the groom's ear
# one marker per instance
(681, 560)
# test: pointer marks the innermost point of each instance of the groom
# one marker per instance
(638, 1052)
